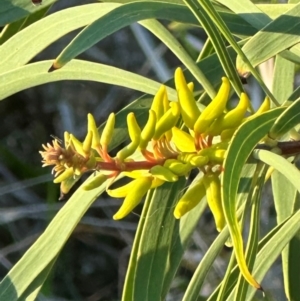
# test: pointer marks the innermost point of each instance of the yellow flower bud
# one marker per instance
(213, 195)
(134, 134)
(191, 198)
(87, 143)
(167, 121)
(183, 141)
(177, 167)
(65, 175)
(122, 191)
(199, 161)
(108, 130)
(214, 155)
(93, 128)
(227, 134)
(96, 181)
(265, 106)
(67, 184)
(163, 173)
(134, 197)
(232, 119)
(185, 157)
(148, 131)
(188, 107)
(214, 109)
(158, 102)
(77, 145)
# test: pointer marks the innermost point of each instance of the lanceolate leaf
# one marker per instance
(286, 121)
(36, 74)
(277, 36)
(290, 171)
(244, 141)
(113, 21)
(47, 247)
(39, 35)
(11, 11)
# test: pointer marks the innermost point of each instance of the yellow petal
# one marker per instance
(134, 197)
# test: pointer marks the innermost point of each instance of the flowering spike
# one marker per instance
(134, 196)
(190, 199)
(149, 130)
(134, 134)
(188, 106)
(96, 181)
(214, 109)
(93, 128)
(167, 121)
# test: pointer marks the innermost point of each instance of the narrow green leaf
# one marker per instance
(155, 242)
(34, 288)
(11, 11)
(128, 289)
(283, 70)
(248, 11)
(195, 285)
(49, 244)
(286, 200)
(275, 10)
(179, 243)
(230, 290)
(193, 290)
(12, 28)
(36, 74)
(121, 17)
(286, 121)
(213, 15)
(252, 243)
(41, 34)
(277, 36)
(172, 43)
(244, 141)
(209, 25)
(272, 250)
(290, 171)
(113, 21)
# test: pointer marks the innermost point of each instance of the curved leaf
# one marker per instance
(286, 121)
(113, 21)
(39, 35)
(290, 171)
(36, 74)
(49, 244)
(11, 11)
(277, 36)
(244, 141)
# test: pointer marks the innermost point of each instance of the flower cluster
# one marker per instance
(176, 139)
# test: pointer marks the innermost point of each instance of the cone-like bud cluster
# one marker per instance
(176, 139)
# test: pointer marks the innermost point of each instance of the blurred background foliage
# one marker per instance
(93, 263)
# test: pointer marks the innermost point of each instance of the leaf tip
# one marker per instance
(54, 67)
